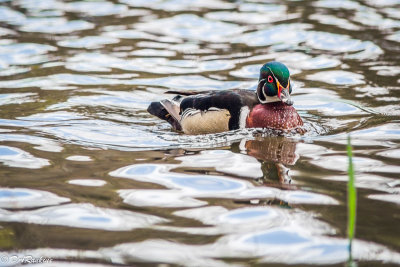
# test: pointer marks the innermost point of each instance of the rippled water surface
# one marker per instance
(88, 176)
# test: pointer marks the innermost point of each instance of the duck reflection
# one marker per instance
(274, 153)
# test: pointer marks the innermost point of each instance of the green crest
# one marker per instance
(274, 83)
(279, 70)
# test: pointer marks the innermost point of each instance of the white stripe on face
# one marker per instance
(265, 95)
(262, 92)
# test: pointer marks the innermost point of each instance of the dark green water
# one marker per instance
(88, 176)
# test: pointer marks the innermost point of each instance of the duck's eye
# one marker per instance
(270, 80)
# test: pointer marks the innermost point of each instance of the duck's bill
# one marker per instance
(284, 96)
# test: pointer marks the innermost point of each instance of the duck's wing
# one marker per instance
(222, 107)
(237, 102)
(186, 92)
(249, 97)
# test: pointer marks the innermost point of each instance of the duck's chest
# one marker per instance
(275, 116)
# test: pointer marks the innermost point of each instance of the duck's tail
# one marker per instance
(168, 110)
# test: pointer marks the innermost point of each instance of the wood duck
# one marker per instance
(270, 106)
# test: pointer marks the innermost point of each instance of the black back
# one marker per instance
(232, 100)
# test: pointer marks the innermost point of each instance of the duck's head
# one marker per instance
(274, 83)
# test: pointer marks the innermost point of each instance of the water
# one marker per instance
(88, 176)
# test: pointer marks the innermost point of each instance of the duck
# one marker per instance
(269, 106)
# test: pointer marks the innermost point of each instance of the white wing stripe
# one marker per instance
(244, 112)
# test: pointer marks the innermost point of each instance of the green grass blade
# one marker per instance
(351, 195)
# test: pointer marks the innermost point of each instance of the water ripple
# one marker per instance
(17, 98)
(88, 42)
(83, 216)
(40, 143)
(179, 5)
(24, 53)
(15, 157)
(337, 77)
(10, 16)
(87, 182)
(55, 25)
(224, 161)
(210, 186)
(299, 33)
(96, 8)
(103, 134)
(188, 26)
(23, 198)
(159, 198)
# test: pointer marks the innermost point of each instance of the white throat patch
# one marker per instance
(270, 99)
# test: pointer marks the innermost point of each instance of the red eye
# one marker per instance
(270, 80)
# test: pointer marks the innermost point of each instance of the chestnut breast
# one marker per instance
(276, 115)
